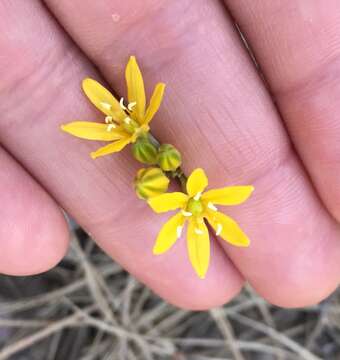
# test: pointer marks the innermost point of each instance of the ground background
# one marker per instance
(88, 308)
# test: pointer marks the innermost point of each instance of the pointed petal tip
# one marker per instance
(65, 128)
(88, 82)
(201, 276)
(245, 244)
(156, 251)
(197, 182)
(85, 81)
(93, 155)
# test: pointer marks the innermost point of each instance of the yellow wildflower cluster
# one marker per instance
(129, 124)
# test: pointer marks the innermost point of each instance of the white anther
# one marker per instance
(121, 103)
(198, 196)
(132, 105)
(211, 206)
(186, 213)
(108, 119)
(106, 106)
(127, 120)
(179, 231)
(110, 127)
(198, 231)
(219, 229)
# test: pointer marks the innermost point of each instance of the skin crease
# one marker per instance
(215, 95)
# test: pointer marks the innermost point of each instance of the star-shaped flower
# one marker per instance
(123, 124)
(195, 206)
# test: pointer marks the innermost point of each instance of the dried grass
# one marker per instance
(88, 308)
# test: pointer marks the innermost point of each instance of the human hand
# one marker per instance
(217, 111)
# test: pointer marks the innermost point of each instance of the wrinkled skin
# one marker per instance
(282, 136)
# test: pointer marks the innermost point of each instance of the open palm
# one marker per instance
(218, 110)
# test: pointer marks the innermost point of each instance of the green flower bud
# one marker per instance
(151, 182)
(169, 158)
(144, 151)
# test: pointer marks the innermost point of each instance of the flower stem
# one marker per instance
(183, 181)
(180, 176)
(154, 141)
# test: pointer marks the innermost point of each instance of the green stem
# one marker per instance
(154, 141)
(179, 175)
(183, 181)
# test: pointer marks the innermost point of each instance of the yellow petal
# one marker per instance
(198, 244)
(169, 233)
(155, 102)
(111, 148)
(197, 182)
(103, 100)
(227, 229)
(92, 131)
(167, 202)
(135, 85)
(231, 195)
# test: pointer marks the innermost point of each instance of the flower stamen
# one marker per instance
(211, 206)
(121, 103)
(127, 120)
(198, 196)
(219, 229)
(179, 231)
(106, 105)
(198, 231)
(110, 127)
(186, 213)
(132, 105)
(108, 119)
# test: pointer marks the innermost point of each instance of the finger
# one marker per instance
(99, 193)
(218, 113)
(33, 231)
(298, 47)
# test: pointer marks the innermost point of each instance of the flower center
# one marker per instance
(110, 123)
(130, 125)
(195, 207)
(130, 106)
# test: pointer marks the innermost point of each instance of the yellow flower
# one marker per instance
(195, 206)
(123, 124)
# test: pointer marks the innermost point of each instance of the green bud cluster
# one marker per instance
(165, 160)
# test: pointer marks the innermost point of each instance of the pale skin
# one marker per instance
(217, 111)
